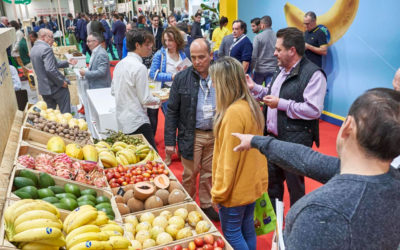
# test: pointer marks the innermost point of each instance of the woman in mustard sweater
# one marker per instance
(238, 178)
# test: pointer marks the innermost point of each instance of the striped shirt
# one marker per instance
(205, 89)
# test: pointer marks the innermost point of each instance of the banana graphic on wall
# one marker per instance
(338, 19)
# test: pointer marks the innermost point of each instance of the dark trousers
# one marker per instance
(276, 177)
(61, 98)
(85, 48)
(119, 50)
(147, 132)
(259, 78)
(110, 48)
(153, 116)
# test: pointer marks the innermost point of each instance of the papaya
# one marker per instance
(74, 150)
(56, 144)
(90, 153)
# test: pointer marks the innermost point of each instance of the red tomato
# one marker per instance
(113, 180)
(177, 247)
(146, 179)
(114, 185)
(126, 168)
(220, 243)
(117, 175)
(208, 247)
(209, 239)
(199, 242)
(124, 183)
(146, 175)
(128, 175)
(132, 182)
(138, 172)
(120, 180)
(166, 172)
(192, 245)
(120, 169)
(109, 176)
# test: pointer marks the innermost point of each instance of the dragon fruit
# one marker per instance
(62, 164)
(83, 177)
(43, 162)
(27, 161)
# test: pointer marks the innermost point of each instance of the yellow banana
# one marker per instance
(112, 222)
(127, 154)
(112, 227)
(35, 214)
(338, 19)
(37, 223)
(91, 236)
(82, 230)
(38, 246)
(59, 242)
(101, 219)
(108, 159)
(72, 215)
(81, 218)
(132, 147)
(35, 234)
(120, 143)
(107, 245)
(149, 156)
(99, 149)
(103, 144)
(142, 147)
(112, 233)
(9, 212)
(88, 245)
(122, 160)
(36, 205)
(119, 242)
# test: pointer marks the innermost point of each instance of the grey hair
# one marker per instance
(312, 15)
(3, 18)
(98, 37)
(266, 20)
(44, 32)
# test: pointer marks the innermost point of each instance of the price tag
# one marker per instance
(36, 109)
(30, 122)
(121, 191)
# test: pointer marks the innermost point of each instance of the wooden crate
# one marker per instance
(26, 149)
(61, 50)
(61, 182)
(38, 138)
(185, 242)
(190, 206)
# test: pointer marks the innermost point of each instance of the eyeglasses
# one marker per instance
(89, 41)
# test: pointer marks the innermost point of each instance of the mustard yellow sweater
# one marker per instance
(238, 178)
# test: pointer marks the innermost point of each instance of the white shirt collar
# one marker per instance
(136, 56)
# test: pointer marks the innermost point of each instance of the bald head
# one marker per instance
(46, 35)
(396, 80)
(200, 53)
(202, 44)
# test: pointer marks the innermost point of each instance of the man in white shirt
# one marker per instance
(130, 86)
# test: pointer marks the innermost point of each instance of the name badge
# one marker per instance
(208, 111)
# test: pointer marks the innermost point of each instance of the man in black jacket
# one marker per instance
(196, 27)
(156, 31)
(191, 109)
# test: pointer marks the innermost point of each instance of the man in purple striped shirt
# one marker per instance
(293, 104)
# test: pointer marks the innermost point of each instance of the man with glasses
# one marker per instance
(98, 74)
(316, 43)
(53, 86)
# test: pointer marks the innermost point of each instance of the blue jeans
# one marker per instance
(237, 224)
(259, 78)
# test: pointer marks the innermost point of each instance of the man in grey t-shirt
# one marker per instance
(263, 60)
(359, 205)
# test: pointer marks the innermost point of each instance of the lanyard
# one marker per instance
(205, 92)
(235, 43)
(155, 34)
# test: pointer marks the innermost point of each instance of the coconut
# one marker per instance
(123, 208)
(119, 199)
(143, 190)
(153, 202)
(163, 194)
(135, 205)
(128, 194)
(176, 196)
(174, 185)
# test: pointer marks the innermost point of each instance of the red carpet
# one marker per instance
(328, 134)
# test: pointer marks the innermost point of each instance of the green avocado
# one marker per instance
(89, 191)
(72, 189)
(20, 182)
(107, 210)
(45, 192)
(70, 203)
(31, 190)
(28, 174)
(61, 206)
(87, 197)
(86, 202)
(57, 189)
(51, 200)
(102, 199)
(66, 195)
(45, 180)
(103, 205)
(23, 195)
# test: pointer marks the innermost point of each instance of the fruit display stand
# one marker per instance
(61, 182)
(38, 138)
(25, 149)
(61, 50)
(189, 207)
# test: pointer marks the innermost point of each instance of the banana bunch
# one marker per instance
(34, 224)
(106, 156)
(88, 228)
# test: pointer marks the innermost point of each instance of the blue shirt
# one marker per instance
(124, 49)
(205, 88)
(242, 50)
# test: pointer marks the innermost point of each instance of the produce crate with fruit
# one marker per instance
(36, 224)
(61, 165)
(53, 122)
(124, 154)
(167, 225)
(150, 195)
(31, 184)
(212, 241)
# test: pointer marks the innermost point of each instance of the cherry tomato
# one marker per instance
(124, 183)
(128, 175)
(114, 185)
(146, 179)
(146, 175)
(166, 172)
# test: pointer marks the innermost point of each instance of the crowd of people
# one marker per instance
(213, 120)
